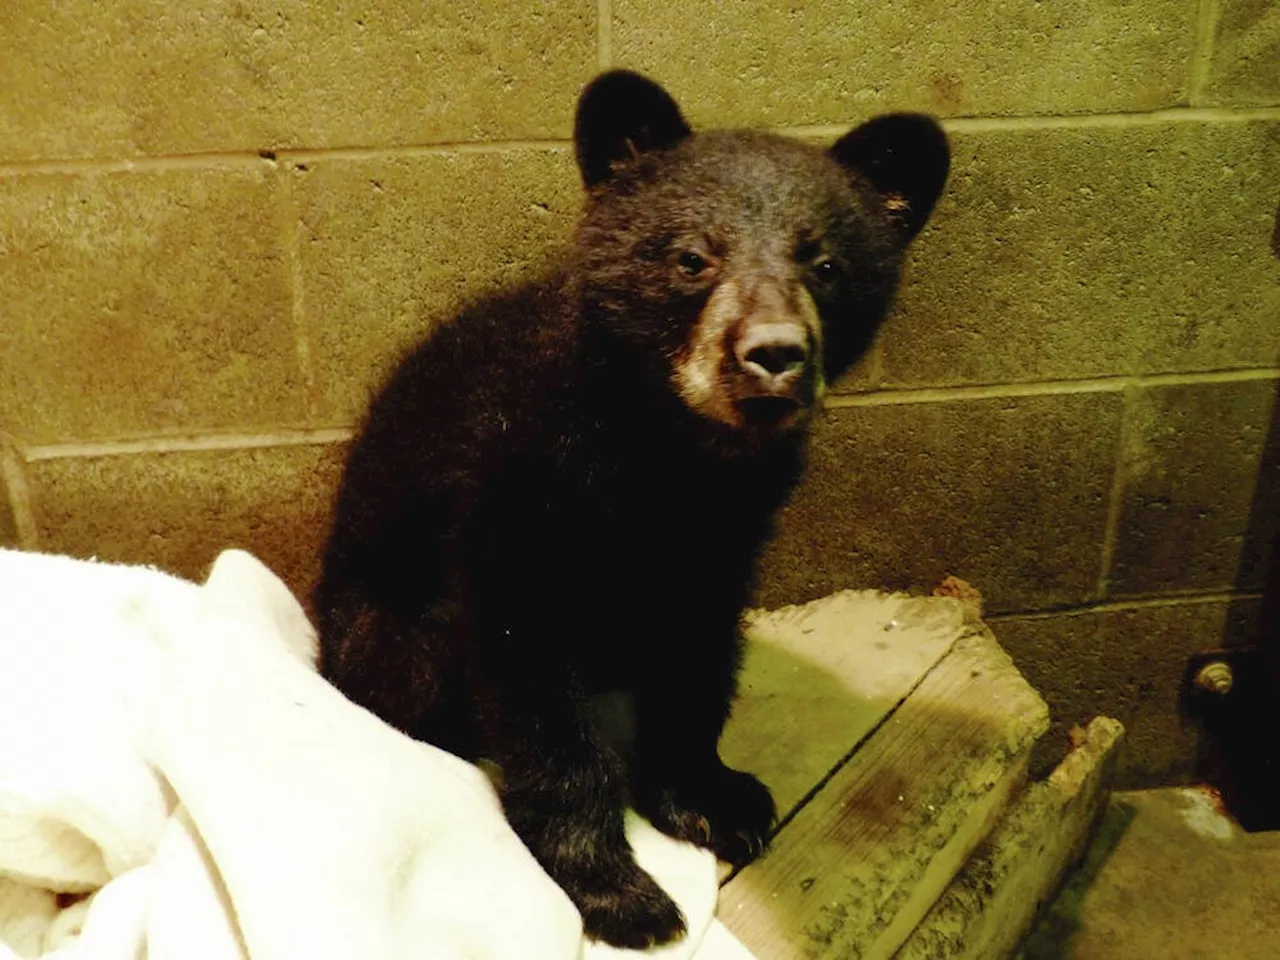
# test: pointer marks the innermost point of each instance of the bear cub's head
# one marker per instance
(741, 272)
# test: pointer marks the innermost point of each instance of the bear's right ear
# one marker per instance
(620, 116)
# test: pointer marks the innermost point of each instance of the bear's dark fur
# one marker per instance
(563, 491)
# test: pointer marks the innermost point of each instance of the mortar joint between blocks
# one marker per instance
(1115, 499)
(189, 443)
(604, 34)
(1119, 606)
(291, 228)
(1201, 63)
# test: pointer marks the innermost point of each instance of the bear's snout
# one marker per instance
(774, 356)
(775, 374)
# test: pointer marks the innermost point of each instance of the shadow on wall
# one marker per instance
(1262, 544)
(1260, 556)
(1240, 753)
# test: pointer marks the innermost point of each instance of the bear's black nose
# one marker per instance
(776, 358)
(774, 354)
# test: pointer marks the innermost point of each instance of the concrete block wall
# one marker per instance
(220, 222)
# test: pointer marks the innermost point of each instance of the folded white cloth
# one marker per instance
(168, 752)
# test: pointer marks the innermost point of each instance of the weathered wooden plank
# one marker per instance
(990, 906)
(818, 678)
(855, 870)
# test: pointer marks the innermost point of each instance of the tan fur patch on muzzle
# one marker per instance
(699, 369)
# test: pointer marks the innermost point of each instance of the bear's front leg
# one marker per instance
(679, 782)
(562, 793)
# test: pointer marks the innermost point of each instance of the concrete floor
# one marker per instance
(1167, 877)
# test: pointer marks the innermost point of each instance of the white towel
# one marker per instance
(168, 749)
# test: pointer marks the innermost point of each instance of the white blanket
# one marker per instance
(169, 754)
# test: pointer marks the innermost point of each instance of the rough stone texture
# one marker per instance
(1244, 67)
(179, 510)
(1095, 251)
(1128, 664)
(1009, 494)
(752, 61)
(1201, 501)
(144, 302)
(81, 79)
(390, 245)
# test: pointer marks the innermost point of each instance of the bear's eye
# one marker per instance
(808, 251)
(691, 264)
(821, 266)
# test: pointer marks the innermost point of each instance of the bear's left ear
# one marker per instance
(906, 158)
(621, 115)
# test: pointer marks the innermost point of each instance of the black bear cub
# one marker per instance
(562, 492)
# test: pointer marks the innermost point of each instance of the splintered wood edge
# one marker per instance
(798, 613)
(857, 868)
(993, 902)
(861, 628)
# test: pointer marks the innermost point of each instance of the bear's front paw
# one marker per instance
(729, 812)
(624, 906)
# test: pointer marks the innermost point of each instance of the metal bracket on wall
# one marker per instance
(1232, 694)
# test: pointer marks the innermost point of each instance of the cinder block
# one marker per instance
(1127, 664)
(1201, 502)
(1009, 494)
(179, 510)
(1094, 251)
(1244, 66)
(756, 62)
(391, 245)
(147, 76)
(144, 302)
